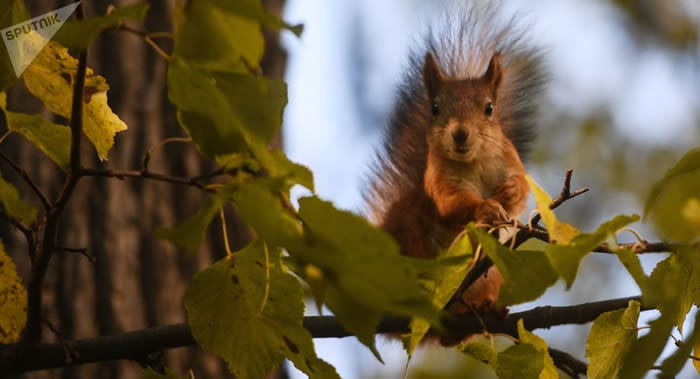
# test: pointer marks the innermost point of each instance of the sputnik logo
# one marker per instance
(23, 50)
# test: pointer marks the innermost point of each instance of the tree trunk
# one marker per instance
(137, 281)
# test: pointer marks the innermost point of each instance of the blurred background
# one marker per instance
(622, 106)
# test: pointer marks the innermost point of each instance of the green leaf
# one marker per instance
(644, 351)
(190, 233)
(691, 214)
(254, 10)
(248, 310)
(559, 232)
(673, 364)
(549, 371)
(229, 113)
(442, 286)
(481, 351)
(11, 12)
(237, 161)
(16, 208)
(529, 359)
(565, 259)
(366, 263)
(79, 34)
(689, 163)
(522, 361)
(209, 36)
(669, 198)
(609, 340)
(262, 209)
(672, 284)
(295, 173)
(526, 274)
(675, 282)
(356, 318)
(689, 281)
(52, 139)
(364, 273)
(631, 262)
(364, 269)
(13, 300)
(50, 77)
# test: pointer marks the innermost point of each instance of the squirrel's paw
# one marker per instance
(491, 212)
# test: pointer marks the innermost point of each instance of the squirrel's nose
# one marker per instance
(460, 135)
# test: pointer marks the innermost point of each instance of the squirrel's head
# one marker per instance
(463, 112)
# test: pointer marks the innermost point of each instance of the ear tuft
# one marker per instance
(494, 73)
(432, 75)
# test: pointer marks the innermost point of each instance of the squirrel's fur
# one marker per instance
(445, 160)
(462, 50)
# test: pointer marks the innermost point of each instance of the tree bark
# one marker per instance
(137, 280)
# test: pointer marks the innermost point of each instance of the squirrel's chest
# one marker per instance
(482, 178)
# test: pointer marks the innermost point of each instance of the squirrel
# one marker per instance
(455, 144)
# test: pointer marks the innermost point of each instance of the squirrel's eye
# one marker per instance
(489, 109)
(435, 108)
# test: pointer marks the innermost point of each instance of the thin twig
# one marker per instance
(565, 195)
(142, 32)
(147, 156)
(148, 38)
(82, 251)
(218, 172)
(145, 175)
(16, 223)
(28, 234)
(7, 133)
(25, 175)
(70, 353)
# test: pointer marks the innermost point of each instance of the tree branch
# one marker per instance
(28, 234)
(565, 195)
(525, 232)
(138, 344)
(25, 175)
(568, 363)
(194, 182)
(79, 250)
(33, 329)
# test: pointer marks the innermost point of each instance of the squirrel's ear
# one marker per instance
(432, 75)
(494, 73)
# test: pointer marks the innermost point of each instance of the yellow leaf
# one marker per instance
(13, 300)
(50, 77)
(559, 232)
(549, 371)
(14, 206)
(691, 213)
(53, 139)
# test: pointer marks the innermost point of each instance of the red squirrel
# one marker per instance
(454, 148)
